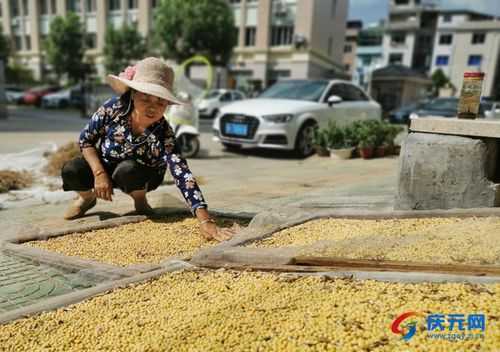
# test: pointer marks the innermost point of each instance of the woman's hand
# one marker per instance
(210, 230)
(103, 187)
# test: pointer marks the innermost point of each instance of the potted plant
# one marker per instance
(320, 142)
(339, 147)
(391, 133)
(351, 138)
(367, 145)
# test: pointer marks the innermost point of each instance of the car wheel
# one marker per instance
(214, 113)
(189, 145)
(63, 104)
(304, 141)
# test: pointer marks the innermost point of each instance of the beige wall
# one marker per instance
(489, 51)
(325, 26)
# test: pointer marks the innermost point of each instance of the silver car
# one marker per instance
(286, 114)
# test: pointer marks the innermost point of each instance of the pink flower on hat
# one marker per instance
(128, 73)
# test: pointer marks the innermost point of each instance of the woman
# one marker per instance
(128, 144)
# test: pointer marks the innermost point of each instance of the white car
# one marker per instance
(286, 114)
(62, 99)
(211, 103)
(14, 95)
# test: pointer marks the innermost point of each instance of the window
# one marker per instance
(154, 3)
(43, 41)
(355, 94)
(226, 97)
(44, 7)
(27, 40)
(14, 8)
(235, 1)
(334, 8)
(338, 90)
(250, 34)
(447, 18)
(401, 2)
(53, 6)
(442, 60)
(281, 35)
(90, 6)
(25, 8)
(310, 90)
(18, 43)
(398, 38)
(347, 48)
(114, 5)
(132, 4)
(91, 40)
(395, 59)
(478, 38)
(347, 67)
(73, 5)
(475, 60)
(445, 39)
(237, 96)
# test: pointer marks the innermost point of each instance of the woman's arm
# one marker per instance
(89, 137)
(103, 187)
(186, 183)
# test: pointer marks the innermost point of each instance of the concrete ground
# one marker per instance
(246, 181)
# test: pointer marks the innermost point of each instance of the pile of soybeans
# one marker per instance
(436, 240)
(231, 311)
(150, 241)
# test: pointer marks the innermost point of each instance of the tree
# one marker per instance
(439, 80)
(121, 47)
(65, 47)
(188, 27)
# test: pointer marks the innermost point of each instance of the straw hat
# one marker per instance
(150, 76)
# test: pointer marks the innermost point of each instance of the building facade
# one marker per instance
(288, 39)
(350, 46)
(369, 54)
(277, 38)
(425, 38)
(27, 23)
(409, 34)
(464, 43)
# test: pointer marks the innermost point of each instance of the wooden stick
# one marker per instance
(391, 265)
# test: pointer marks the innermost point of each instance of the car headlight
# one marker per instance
(281, 118)
(413, 115)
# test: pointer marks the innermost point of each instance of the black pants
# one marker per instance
(127, 175)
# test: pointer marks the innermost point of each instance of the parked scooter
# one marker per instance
(184, 120)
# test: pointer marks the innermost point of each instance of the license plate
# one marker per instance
(237, 129)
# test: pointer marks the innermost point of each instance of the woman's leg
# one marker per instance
(136, 179)
(77, 176)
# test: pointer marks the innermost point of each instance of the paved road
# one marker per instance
(245, 181)
(28, 127)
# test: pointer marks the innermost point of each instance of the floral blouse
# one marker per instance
(155, 147)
